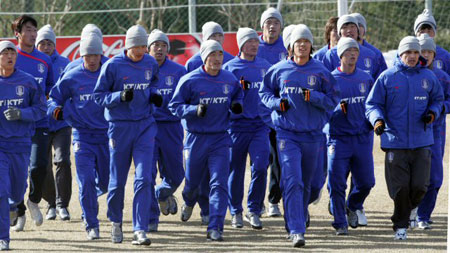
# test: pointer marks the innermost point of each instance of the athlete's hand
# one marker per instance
(126, 95)
(306, 94)
(58, 113)
(344, 106)
(201, 110)
(379, 127)
(284, 105)
(236, 108)
(12, 113)
(244, 83)
(156, 99)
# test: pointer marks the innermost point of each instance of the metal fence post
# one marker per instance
(192, 17)
(342, 7)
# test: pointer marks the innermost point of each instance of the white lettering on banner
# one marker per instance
(39, 79)
(86, 97)
(355, 100)
(213, 100)
(11, 102)
(420, 98)
(165, 91)
(136, 86)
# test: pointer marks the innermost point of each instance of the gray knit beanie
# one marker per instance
(46, 33)
(158, 35)
(245, 34)
(91, 45)
(287, 35)
(427, 43)
(271, 13)
(91, 28)
(208, 47)
(408, 43)
(210, 28)
(136, 36)
(345, 43)
(301, 31)
(425, 18)
(5, 44)
(344, 19)
(361, 20)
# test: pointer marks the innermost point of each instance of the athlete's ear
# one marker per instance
(17, 34)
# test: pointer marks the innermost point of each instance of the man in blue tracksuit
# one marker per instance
(272, 49)
(210, 31)
(56, 193)
(72, 100)
(203, 99)
(425, 208)
(168, 154)
(249, 133)
(21, 103)
(300, 91)
(331, 37)
(126, 88)
(350, 140)
(406, 131)
(347, 26)
(39, 65)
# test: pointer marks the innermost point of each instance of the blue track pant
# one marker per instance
(92, 164)
(131, 140)
(257, 145)
(428, 202)
(208, 152)
(298, 160)
(320, 176)
(13, 184)
(349, 154)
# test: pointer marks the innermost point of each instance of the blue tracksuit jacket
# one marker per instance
(272, 53)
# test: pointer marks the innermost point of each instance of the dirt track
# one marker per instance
(173, 235)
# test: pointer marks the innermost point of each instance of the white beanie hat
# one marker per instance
(344, 19)
(408, 43)
(208, 47)
(136, 36)
(91, 45)
(287, 35)
(361, 20)
(46, 33)
(344, 44)
(91, 28)
(301, 31)
(158, 35)
(245, 34)
(427, 43)
(5, 44)
(210, 28)
(271, 13)
(425, 18)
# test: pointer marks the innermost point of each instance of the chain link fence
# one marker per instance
(388, 21)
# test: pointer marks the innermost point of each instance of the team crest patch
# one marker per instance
(226, 89)
(20, 90)
(367, 62)
(148, 74)
(425, 84)
(112, 143)
(312, 80)
(169, 80)
(76, 146)
(439, 64)
(362, 88)
(390, 157)
(41, 68)
(331, 149)
(263, 73)
(281, 144)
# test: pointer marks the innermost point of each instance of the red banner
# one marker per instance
(182, 46)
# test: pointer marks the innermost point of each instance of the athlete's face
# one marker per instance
(429, 55)
(426, 29)
(217, 37)
(136, 53)
(350, 56)
(272, 28)
(349, 30)
(92, 62)
(250, 47)
(46, 46)
(214, 61)
(302, 48)
(28, 35)
(159, 50)
(8, 59)
(334, 37)
(410, 58)
(362, 32)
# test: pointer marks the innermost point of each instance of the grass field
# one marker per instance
(177, 236)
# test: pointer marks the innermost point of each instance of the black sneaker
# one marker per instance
(214, 235)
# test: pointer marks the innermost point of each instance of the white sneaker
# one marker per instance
(35, 212)
(400, 234)
(205, 220)
(362, 219)
(93, 234)
(352, 218)
(413, 219)
(63, 213)
(21, 220)
(298, 240)
(116, 232)
(186, 212)
(51, 214)
(173, 205)
(12, 218)
(140, 238)
(254, 220)
(4, 245)
(424, 225)
(237, 221)
(164, 206)
(274, 210)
